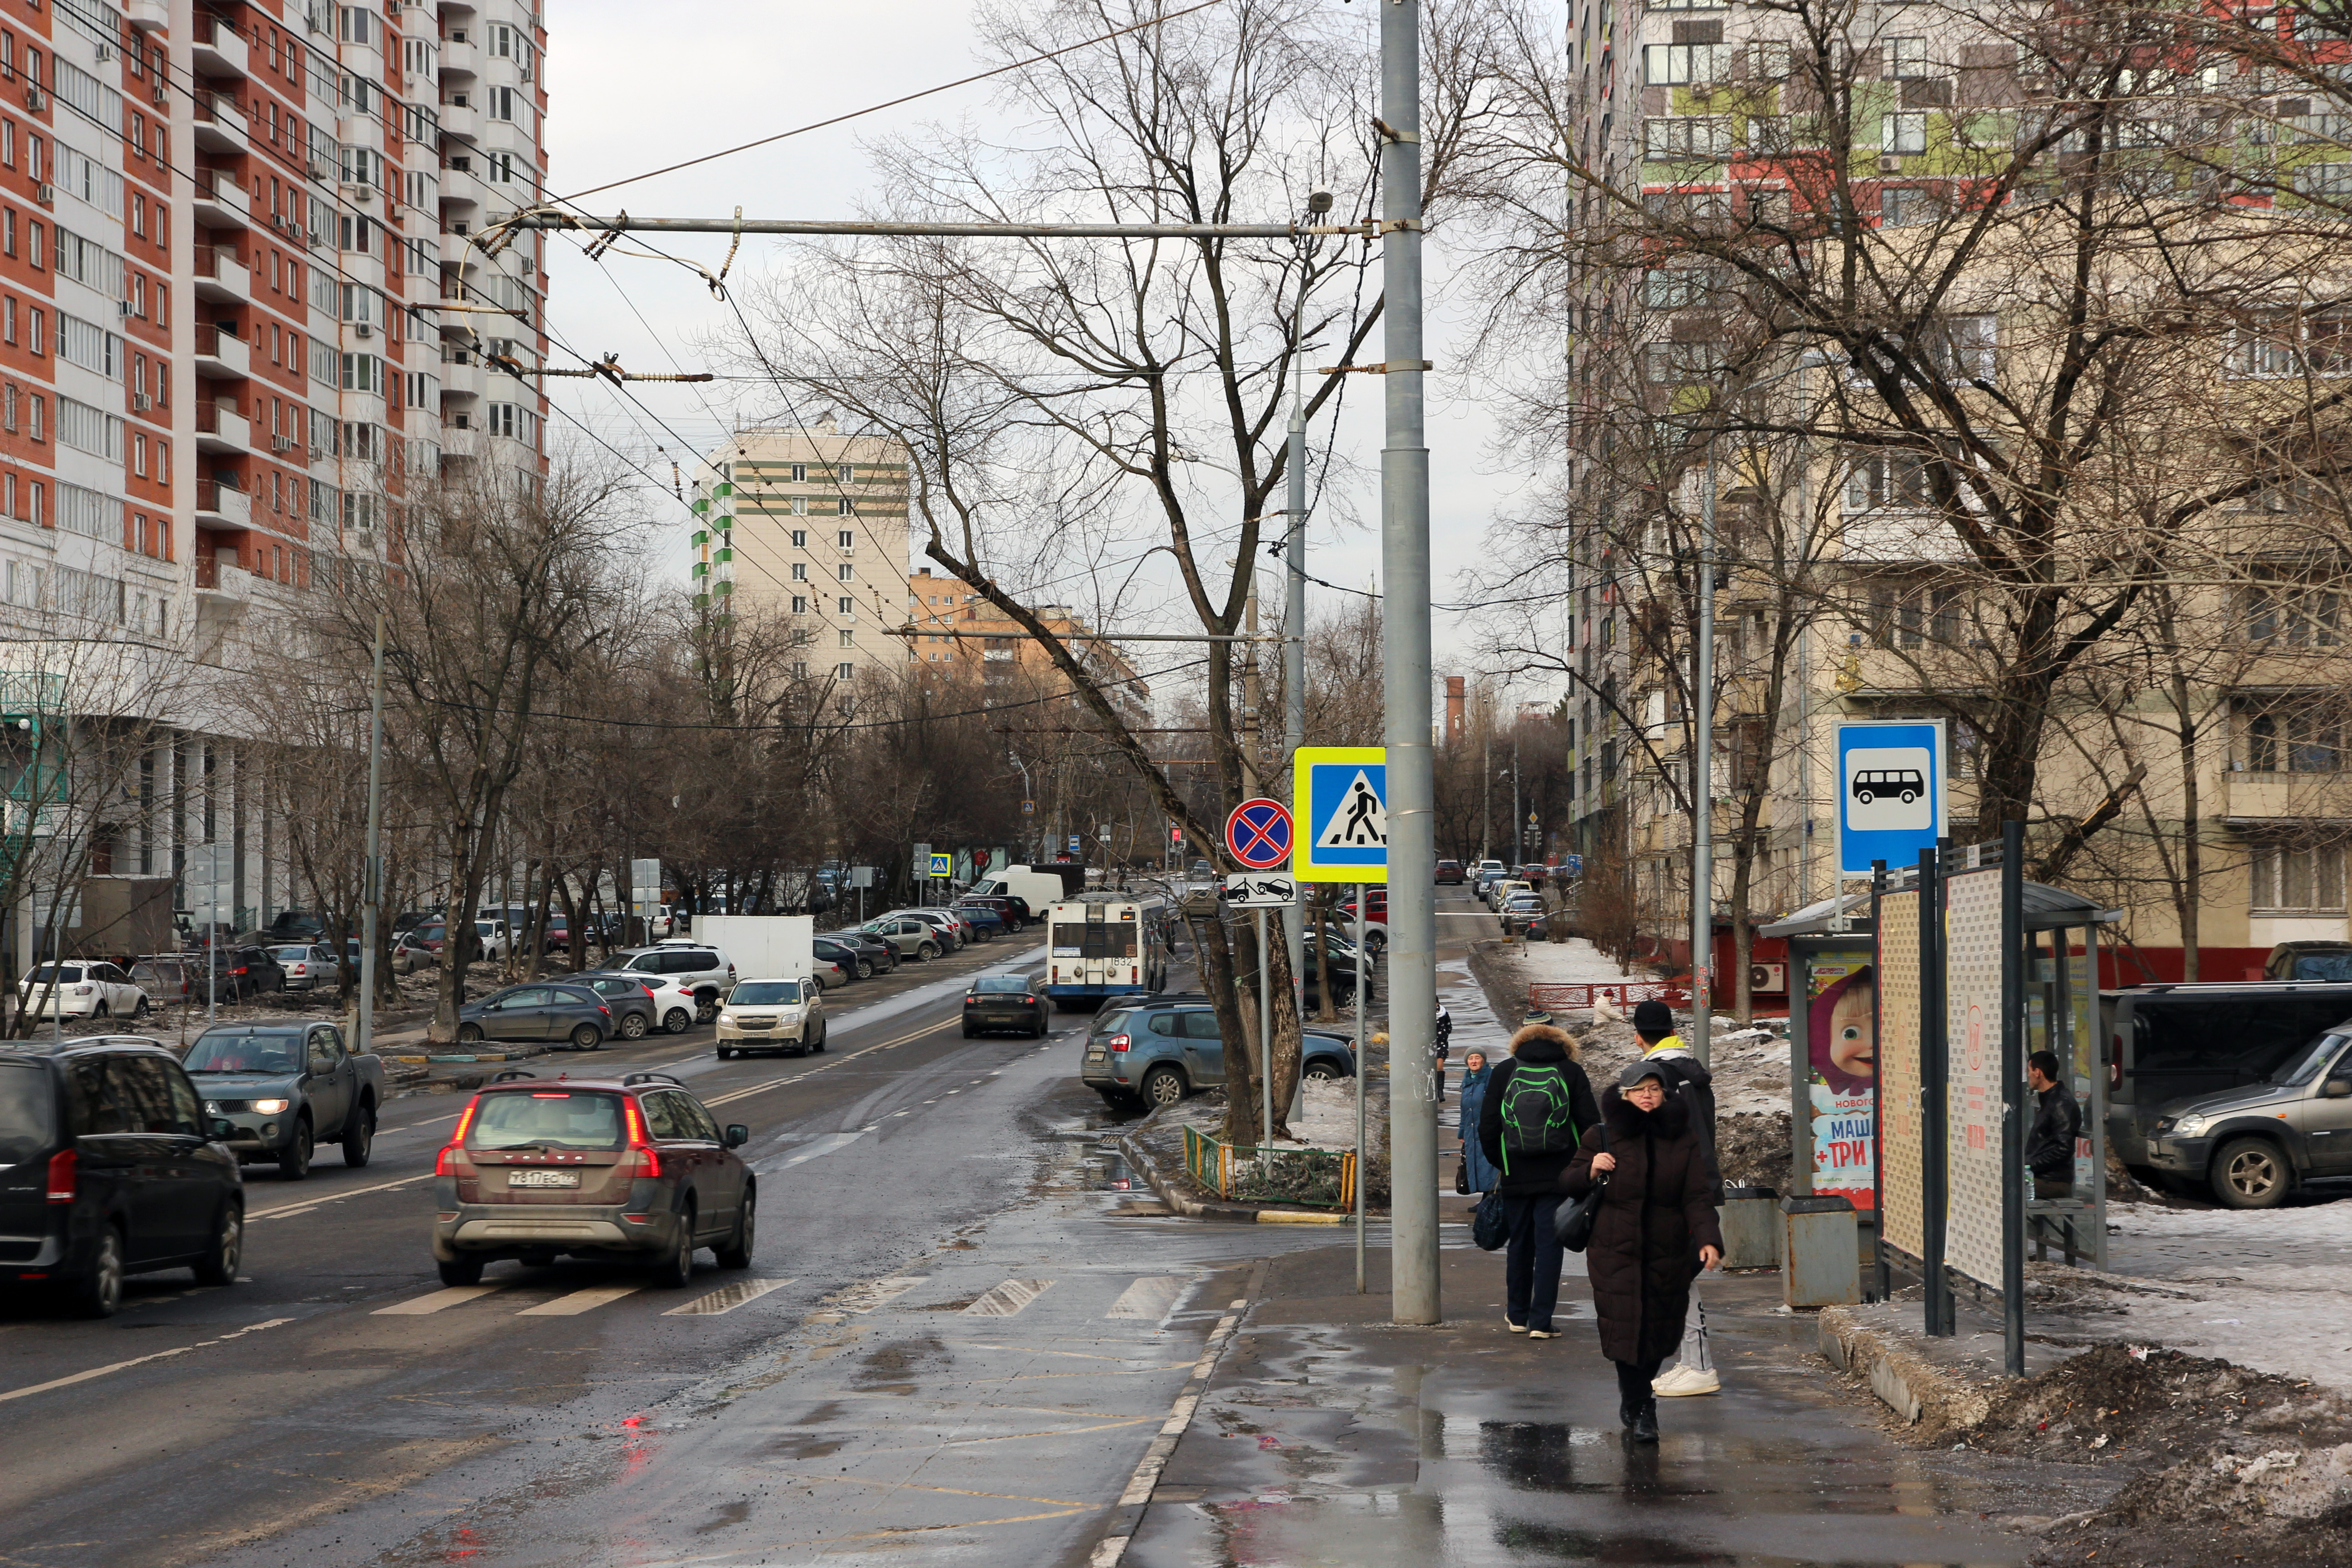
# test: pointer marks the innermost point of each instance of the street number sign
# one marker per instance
(1259, 835)
(1890, 793)
(1343, 792)
(1260, 890)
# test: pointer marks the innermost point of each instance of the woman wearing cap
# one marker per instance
(1477, 1174)
(1657, 1213)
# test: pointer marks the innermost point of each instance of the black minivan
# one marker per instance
(110, 1167)
(2170, 1042)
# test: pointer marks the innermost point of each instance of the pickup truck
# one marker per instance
(285, 1089)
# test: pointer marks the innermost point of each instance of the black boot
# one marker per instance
(1645, 1424)
(1629, 1412)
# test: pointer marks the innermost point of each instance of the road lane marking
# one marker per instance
(305, 1205)
(1148, 1298)
(735, 1094)
(27, 1392)
(1007, 1298)
(726, 1298)
(579, 1302)
(816, 1147)
(439, 1300)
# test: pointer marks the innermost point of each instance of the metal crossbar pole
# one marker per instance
(371, 910)
(1265, 1033)
(622, 223)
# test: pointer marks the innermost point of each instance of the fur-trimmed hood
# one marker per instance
(1544, 1045)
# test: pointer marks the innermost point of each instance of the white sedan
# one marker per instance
(311, 968)
(83, 990)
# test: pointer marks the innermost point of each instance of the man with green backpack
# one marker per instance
(1538, 1111)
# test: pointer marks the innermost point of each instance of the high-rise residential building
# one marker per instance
(240, 316)
(807, 525)
(953, 634)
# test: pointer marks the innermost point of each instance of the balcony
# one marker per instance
(222, 506)
(221, 355)
(462, 121)
(220, 202)
(460, 59)
(148, 16)
(221, 125)
(220, 50)
(2274, 800)
(221, 428)
(463, 376)
(223, 589)
(221, 277)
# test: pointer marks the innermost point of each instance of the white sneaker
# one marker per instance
(1515, 1328)
(1678, 1382)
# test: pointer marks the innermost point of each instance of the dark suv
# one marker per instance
(1158, 1053)
(632, 1170)
(108, 1166)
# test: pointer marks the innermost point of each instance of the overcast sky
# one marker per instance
(629, 92)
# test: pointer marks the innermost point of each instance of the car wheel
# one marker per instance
(1320, 1072)
(1162, 1087)
(101, 1011)
(140, 1010)
(705, 1008)
(824, 1034)
(2252, 1173)
(294, 1160)
(678, 1020)
(588, 1037)
(359, 1138)
(968, 1031)
(98, 1293)
(463, 1270)
(469, 1034)
(219, 1265)
(927, 951)
(725, 1054)
(633, 1026)
(736, 1253)
(676, 1272)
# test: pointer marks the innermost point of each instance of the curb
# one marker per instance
(1905, 1381)
(1194, 1208)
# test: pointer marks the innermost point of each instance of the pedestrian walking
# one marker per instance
(1478, 1174)
(1536, 1112)
(1687, 1080)
(1655, 1232)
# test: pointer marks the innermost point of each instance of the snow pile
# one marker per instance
(1570, 963)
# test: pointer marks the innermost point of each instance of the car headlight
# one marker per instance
(271, 1106)
(2189, 1126)
(725, 1016)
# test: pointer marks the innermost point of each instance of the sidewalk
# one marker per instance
(1327, 1435)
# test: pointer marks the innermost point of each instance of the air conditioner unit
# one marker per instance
(140, 403)
(122, 308)
(281, 443)
(1767, 978)
(105, 52)
(36, 99)
(316, 170)
(46, 195)
(361, 330)
(163, 97)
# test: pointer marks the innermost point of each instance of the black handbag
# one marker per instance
(1573, 1223)
(1490, 1228)
(1462, 1178)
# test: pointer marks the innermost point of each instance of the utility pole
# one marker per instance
(1519, 846)
(1486, 778)
(371, 896)
(1294, 605)
(1702, 778)
(1404, 679)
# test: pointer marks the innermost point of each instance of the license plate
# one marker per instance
(1096, 1055)
(542, 1178)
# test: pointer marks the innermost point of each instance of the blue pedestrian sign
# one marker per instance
(1890, 793)
(1342, 794)
(943, 864)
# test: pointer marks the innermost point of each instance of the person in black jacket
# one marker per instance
(2057, 1123)
(1529, 1135)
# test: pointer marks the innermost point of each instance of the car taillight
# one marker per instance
(1028, 1001)
(971, 1001)
(446, 1163)
(606, 1011)
(82, 990)
(648, 990)
(2115, 1061)
(648, 1157)
(1120, 1042)
(64, 1171)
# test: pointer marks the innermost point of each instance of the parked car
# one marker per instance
(1009, 909)
(987, 922)
(82, 990)
(911, 937)
(2170, 1043)
(118, 1170)
(166, 977)
(633, 1170)
(239, 973)
(851, 962)
(1502, 888)
(674, 1005)
(405, 953)
(1376, 918)
(1449, 873)
(311, 967)
(537, 1012)
(954, 934)
(1158, 1053)
(1519, 912)
(786, 1016)
(881, 956)
(1005, 1002)
(635, 1012)
(2323, 961)
(699, 967)
(285, 1089)
(2250, 1147)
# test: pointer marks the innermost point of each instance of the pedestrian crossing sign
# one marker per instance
(1340, 796)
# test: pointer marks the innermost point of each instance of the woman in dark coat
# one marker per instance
(1656, 1229)
(1478, 1176)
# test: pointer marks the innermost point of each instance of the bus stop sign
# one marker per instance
(1890, 793)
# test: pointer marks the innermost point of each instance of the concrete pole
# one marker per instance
(1405, 677)
(1326, 972)
(371, 908)
(1265, 1033)
(1702, 779)
(1294, 636)
(1518, 838)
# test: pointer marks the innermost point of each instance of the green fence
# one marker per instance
(1318, 1178)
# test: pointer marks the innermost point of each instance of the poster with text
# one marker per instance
(1843, 1054)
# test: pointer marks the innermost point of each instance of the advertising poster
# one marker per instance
(1844, 1052)
(1972, 992)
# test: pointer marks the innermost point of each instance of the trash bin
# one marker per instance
(1751, 1228)
(1819, 1265)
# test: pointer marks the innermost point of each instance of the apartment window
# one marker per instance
(2288, 342)
(2280, 610)
(847, 537)
(2301, 879)
(1902, 133)
(844, 671)
(2293, 735)
(800, 604)
(1676, 364)
(800, 571)
(848, 637)
(1886, 478)
(848, 574)
(800, 539)
(1685, 136)
(1906, 58)
(845, 506)
(845, 605)
(1682, 65)
(800, 473)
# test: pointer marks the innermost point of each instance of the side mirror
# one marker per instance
(223, 1129)
(737, 1135)
(2336, 1088)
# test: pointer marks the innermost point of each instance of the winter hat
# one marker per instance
(1636, 1072)
(1536, 1016)
(1652, 1018)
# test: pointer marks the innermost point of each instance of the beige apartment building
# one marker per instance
(810, 524)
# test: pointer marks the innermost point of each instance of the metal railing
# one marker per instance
(1315, 1178)
(1621, 994)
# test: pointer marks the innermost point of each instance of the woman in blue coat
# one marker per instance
(1479, 1171)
